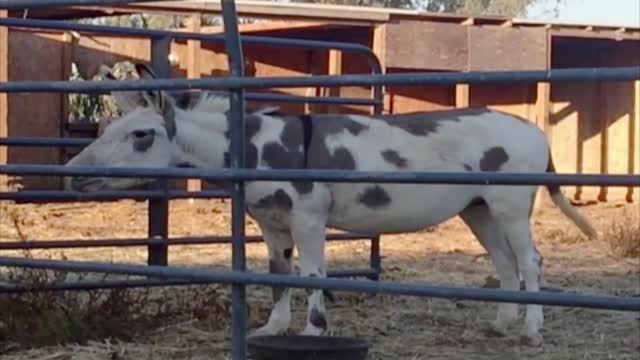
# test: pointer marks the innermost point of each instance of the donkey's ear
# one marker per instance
(164, 105)
(155, 98)
(152, 98)
(144, 71)
(125, 100)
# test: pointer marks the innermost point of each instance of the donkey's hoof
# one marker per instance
(533, 340)
(267, 330)
(311, 330)
(497, 328)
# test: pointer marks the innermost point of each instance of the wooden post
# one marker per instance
(602, 113)
(316, 65)
(193, 72)
(335, 68)
(543, 93)
(462, 95)
(543, 115)
(4, 100)
(633, 195)
(379, 47)
(543, 107)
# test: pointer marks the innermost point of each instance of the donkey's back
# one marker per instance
(452, 140)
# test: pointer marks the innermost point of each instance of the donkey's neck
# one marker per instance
(200, 139)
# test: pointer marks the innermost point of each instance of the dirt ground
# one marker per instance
(402, 328)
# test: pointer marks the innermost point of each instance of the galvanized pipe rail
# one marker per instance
(132, 242)
(83, 285)
(548, 298)
(322, 175)
(408, 79)
(36, 196)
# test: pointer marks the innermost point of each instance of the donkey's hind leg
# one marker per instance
(482, 224)
(280, 246)
(309, 234)
(511, 208)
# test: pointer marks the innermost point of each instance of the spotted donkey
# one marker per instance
(154, 132)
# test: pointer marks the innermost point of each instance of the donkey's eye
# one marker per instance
(143, 139)
(139, 134)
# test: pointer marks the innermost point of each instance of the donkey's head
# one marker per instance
(143, 137)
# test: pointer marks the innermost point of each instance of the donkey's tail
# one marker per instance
(565, 206)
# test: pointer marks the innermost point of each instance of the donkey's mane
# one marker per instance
(214, 102)
(202, 100)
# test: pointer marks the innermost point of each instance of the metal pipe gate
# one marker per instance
(239, 278)
(157, 193)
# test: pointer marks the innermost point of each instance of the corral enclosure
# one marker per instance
(593, 127)
(398, 328)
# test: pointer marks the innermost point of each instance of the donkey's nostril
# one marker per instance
(77, 181)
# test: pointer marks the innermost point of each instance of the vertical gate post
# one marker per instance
(158, 209)
(375, 260)
(237, 160)
(378, 91)
(4, 97)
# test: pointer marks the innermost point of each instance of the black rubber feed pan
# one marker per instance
(298, 347)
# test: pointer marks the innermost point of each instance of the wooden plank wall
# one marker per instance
(593, 124)
(349, 63)
(89, 52)
(589, 124)
(493, 48)
(619, 105)
(414, 44)
(592, 127)
(407, 99)
(455, 47)
(34, 114)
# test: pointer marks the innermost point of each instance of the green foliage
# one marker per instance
(89, 108)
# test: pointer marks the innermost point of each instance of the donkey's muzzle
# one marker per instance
(80, 183)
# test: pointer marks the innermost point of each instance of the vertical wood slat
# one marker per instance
(462, 95)
(335, 68)
(543, 107)
(543, 93)
(542, 116)
(379, 46)
(316, 65)
(633, 195)
(604, 136)
(4, 100)
(310, 91)
(194, 72)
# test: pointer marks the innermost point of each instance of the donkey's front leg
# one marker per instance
(280, 246)
(309, 234)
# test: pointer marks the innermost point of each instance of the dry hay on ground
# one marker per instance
(193, 326)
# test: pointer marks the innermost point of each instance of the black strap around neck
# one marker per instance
(307, 132)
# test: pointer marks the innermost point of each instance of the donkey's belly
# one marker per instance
(395, 208)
